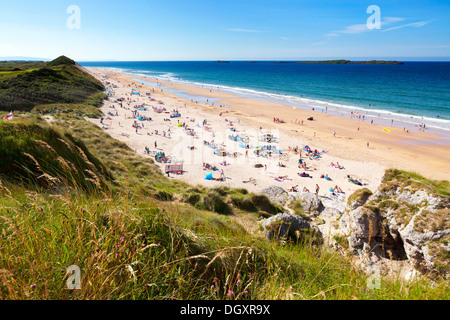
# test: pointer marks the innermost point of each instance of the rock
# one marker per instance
(401, 222)
(278, 195)
(364, 223)
(285, 225)
(310, 202)
(334, 205)
(331, 212)
(416, 243)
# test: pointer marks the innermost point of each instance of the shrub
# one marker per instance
(243, 203)
(163, 195)
(191, 198)
(214, 202)
(263, 203)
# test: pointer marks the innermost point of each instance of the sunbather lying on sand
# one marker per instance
(354, 181)
(337, 165)
(207, 166)
(304, 174)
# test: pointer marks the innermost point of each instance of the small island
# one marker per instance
(341, 61)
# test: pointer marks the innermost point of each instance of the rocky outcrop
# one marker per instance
(398, 224)
(285, 225)
(310, 202)
(277, 194)
(404, 223)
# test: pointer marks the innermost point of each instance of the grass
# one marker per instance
(394, 178)
(60, 81)
(41, 156)
(133, 247)
(360, 195)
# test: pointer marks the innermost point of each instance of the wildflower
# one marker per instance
(117, 255)
(239, 282)
(230, 293)
(196, 265)
(246, 291)
(121, 239)
(33, 286)
(212, 287)
(33, 204)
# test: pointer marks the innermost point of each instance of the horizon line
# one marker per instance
(400, 59)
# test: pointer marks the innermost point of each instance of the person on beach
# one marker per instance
(317, 189)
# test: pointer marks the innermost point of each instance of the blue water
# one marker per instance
(414, 92)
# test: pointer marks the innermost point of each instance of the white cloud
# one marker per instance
(285, 38)
(414, 24)
(361, 28)
(389, 20)
(354, 29)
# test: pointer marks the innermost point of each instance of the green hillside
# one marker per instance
(25, 86)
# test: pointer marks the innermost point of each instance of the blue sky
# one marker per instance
(227, 30)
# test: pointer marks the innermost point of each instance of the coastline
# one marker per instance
(420, 152)
(381, 115)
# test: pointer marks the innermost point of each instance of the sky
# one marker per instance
(164, 30)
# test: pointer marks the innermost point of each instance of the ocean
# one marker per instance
(411, 93)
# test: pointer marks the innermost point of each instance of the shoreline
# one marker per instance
(405, 151)
(380, 116)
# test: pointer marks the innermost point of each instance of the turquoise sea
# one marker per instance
(411, 93)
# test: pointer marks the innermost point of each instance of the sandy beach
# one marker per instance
(345, 146)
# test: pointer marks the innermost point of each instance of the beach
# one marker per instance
(214, 131)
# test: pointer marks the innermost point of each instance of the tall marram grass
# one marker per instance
(129, 246)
